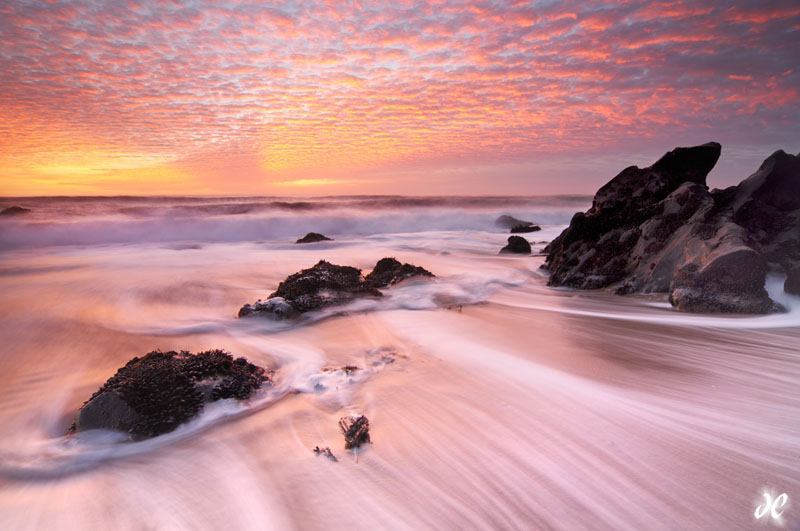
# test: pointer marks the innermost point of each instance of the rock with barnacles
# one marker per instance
(356, 431)
(156, 393)
(389, 271)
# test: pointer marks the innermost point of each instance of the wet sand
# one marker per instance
(530, 408)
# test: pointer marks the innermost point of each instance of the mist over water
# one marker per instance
(495, 402)
(89, 220)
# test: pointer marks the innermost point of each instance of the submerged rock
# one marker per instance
(356, 431)
(328, 284)
(389, 271)
(517, 245)
(516, 225)
(156, 393)
(660, 230)
(14, 211)
(313, 237)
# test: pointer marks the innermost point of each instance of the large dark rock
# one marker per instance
(515, 225)
(660, 230)
(327, 284)
(516, 245)
(313, 237)
(389, 271)
(14, 211)
(156, 393)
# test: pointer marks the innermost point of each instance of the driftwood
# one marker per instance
(355, 430)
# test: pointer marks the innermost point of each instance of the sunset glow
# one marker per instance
(297, 98)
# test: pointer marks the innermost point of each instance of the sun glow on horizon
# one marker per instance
(252, 97)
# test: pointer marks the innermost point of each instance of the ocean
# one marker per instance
(495, 401)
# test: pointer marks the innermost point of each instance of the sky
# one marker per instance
(401, 97)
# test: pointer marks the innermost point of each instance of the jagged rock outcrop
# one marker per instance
(516, 245)
(660, 230)
(156, 393)
(515, 225)
(313, 237)
(389, 271)
(328, 284)
(14, 211)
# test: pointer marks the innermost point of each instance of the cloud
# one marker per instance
(334, 87)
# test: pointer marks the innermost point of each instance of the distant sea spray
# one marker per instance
(130, 219)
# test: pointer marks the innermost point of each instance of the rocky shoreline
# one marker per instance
(661, 230)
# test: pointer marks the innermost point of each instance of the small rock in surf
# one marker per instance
(14, 211)
(516, 225)
(516, 245)
(313, 237)
(389, 271)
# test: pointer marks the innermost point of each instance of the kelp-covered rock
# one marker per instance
(322, 285)
(516, 245)
(389, 271)
(328, 284)
(660, 230)
(313, 237)
(156, 393)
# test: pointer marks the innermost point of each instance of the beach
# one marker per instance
(495, 401)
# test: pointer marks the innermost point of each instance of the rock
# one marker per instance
(14, 211)
(323, 285)
(660, 230)
(730, 280)
(767, 205)
(313, 237)
(516, 225)
(327, 284)
(792, 283)
(154, 394)
(389, 271)
(525, 228)
(356, 431)
(277, 307)
(517, 245)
